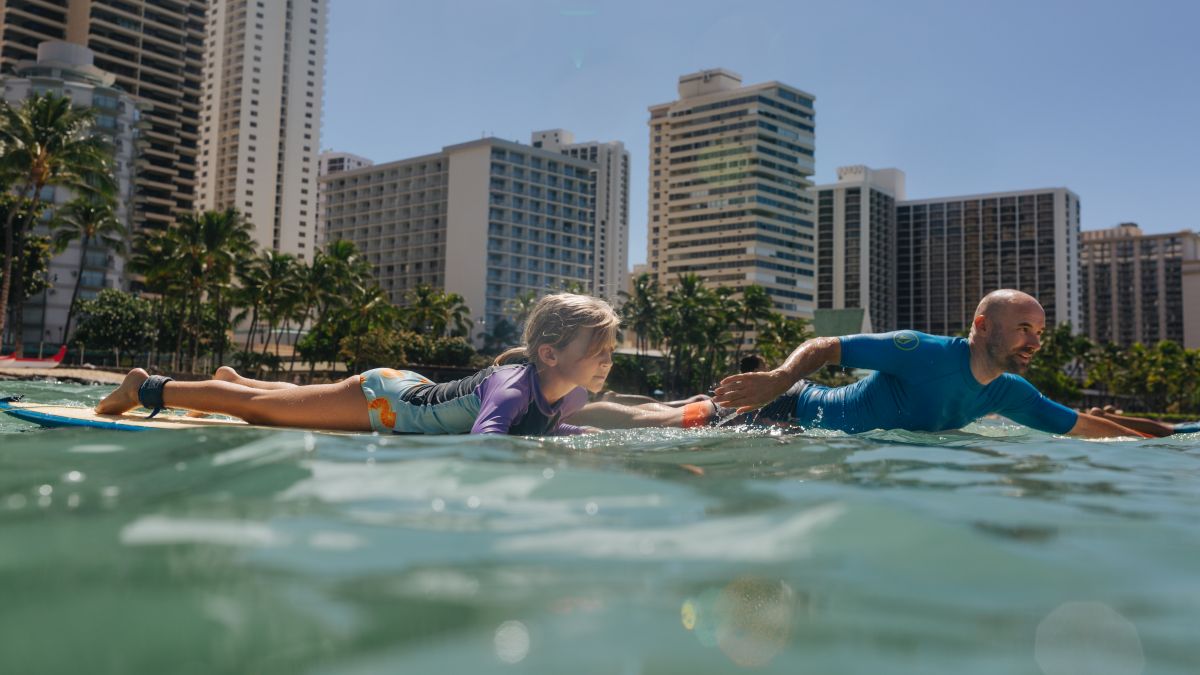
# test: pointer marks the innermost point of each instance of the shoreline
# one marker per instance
(72, 375)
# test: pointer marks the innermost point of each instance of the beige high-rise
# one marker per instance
(262, 117)
(1141, 287)
(155, 50)
(730, 169)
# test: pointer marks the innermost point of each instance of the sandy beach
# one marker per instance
(75, 375)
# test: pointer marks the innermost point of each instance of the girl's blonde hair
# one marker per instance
(558, 319)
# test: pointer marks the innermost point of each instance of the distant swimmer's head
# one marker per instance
(1009, 324)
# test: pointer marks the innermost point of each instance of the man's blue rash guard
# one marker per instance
(921, 383)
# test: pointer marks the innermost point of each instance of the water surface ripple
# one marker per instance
(993, 550)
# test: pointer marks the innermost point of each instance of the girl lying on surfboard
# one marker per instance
(566, 352)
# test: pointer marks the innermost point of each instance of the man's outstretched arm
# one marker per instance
(1098, 427)
(748, 391)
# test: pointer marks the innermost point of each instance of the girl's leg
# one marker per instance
(340, 406)
(227, 374)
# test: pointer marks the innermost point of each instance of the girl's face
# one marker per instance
(575, 365)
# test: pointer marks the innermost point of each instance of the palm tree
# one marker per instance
(425, 311)
(154, 258)
(88, 220)
(460, 315)
(348, 271)
(211, 244)
(754, 309)
(689, 310)
(520, 307)
(280, 294)
(46, 142)
(641, 311)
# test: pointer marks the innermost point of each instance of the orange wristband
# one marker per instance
(697, 414)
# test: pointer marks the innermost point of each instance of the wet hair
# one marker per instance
(558, 319)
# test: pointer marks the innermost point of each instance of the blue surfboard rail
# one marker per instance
(53, 421)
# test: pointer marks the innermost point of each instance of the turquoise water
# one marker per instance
(997, 550)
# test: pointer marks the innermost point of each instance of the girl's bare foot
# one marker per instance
(125, 397)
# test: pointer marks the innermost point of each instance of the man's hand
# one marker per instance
(749, 391)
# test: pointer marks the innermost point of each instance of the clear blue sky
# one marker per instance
(965, 96)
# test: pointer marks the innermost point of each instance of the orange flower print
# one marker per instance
(386, 415)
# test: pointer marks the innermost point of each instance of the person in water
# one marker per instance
(566, 352)
(921, 383)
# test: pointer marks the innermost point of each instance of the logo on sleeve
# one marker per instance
(906, 340)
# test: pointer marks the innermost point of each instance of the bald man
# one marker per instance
(921, 382)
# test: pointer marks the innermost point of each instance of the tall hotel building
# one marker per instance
(67, 70)
(262, 117)
(856, 243)
(953, 250)
(156, 50)
(1141, 287)
(730, 169)
(611, 178)
(489, 220)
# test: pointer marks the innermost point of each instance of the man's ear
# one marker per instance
(547, 355)
(980, 324)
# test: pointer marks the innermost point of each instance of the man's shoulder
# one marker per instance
(913, 340)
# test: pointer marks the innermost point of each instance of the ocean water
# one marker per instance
(993, 550)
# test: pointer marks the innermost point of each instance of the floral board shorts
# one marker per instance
(395, 403)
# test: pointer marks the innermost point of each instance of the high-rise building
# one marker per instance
(329, 162)
(856, 243)
(489, 220)
(951, 251)
(730, 169)
(67, 70)
(263, 83)
(1141, 287)
(611, 178)
(155, 49)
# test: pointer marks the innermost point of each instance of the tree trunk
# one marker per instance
(253, 327)
(18, 306)
(10, 241)
(78, 283)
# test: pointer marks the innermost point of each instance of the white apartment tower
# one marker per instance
(490, 220)
(611, 205)
(330, 162)
(856, 243)
(730, 169)
(263, 85)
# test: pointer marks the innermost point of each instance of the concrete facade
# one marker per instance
(856, 243)
(489, 219)
(1141, 287)
(730, 169)
(330, 162)
(67, 69)
(611, 187)
(951, 251)
(155, 50)
(263, 86)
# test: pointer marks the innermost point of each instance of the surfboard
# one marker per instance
(79, 416)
